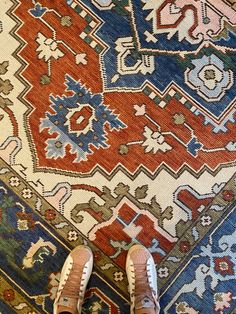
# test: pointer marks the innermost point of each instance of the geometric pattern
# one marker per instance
(176, 132)
(117, 124)
(83, 118)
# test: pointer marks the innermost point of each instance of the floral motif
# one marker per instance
(123, 149)
(140, 110)
(154, 141)
(27, 193)
(118, 276)
(3, 67)
(38, 11)
(81, 119)
(48, 48)
(72, 235)
(81, 58)
(206, 220)
(184, 246)
(179, 118)
(50, 214)
(224, 266)
(25, 221)
(183, 308)
(209, 77)
(45, 79)
(6, 201)
(5, 86)
(9, 295)
(22, 224)
(222, 300)
(66, 21)
(14, 181)
(163, 272)
(199, 24)
(4, 102)
(228, 195)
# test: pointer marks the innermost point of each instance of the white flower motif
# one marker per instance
(27, 193)
(72, 235)
(81, 58)
(118, 276)
(22, 225)
(206, 220)
(140, 110)
(48, 48)
(14, 181)
(163, 272)
(154, 141)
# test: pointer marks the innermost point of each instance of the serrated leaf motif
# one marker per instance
(141, 192)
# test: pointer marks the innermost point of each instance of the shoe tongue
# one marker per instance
(66, 304)
(145, 302)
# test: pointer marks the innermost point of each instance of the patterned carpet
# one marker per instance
(117, 126)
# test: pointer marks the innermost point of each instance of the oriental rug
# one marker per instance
(117, 126)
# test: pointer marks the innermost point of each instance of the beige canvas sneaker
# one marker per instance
(142, 278)
(75, 275)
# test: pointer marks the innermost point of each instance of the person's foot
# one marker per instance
(142, 278)
(75, 275)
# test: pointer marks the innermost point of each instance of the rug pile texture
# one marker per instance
(117, 126)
